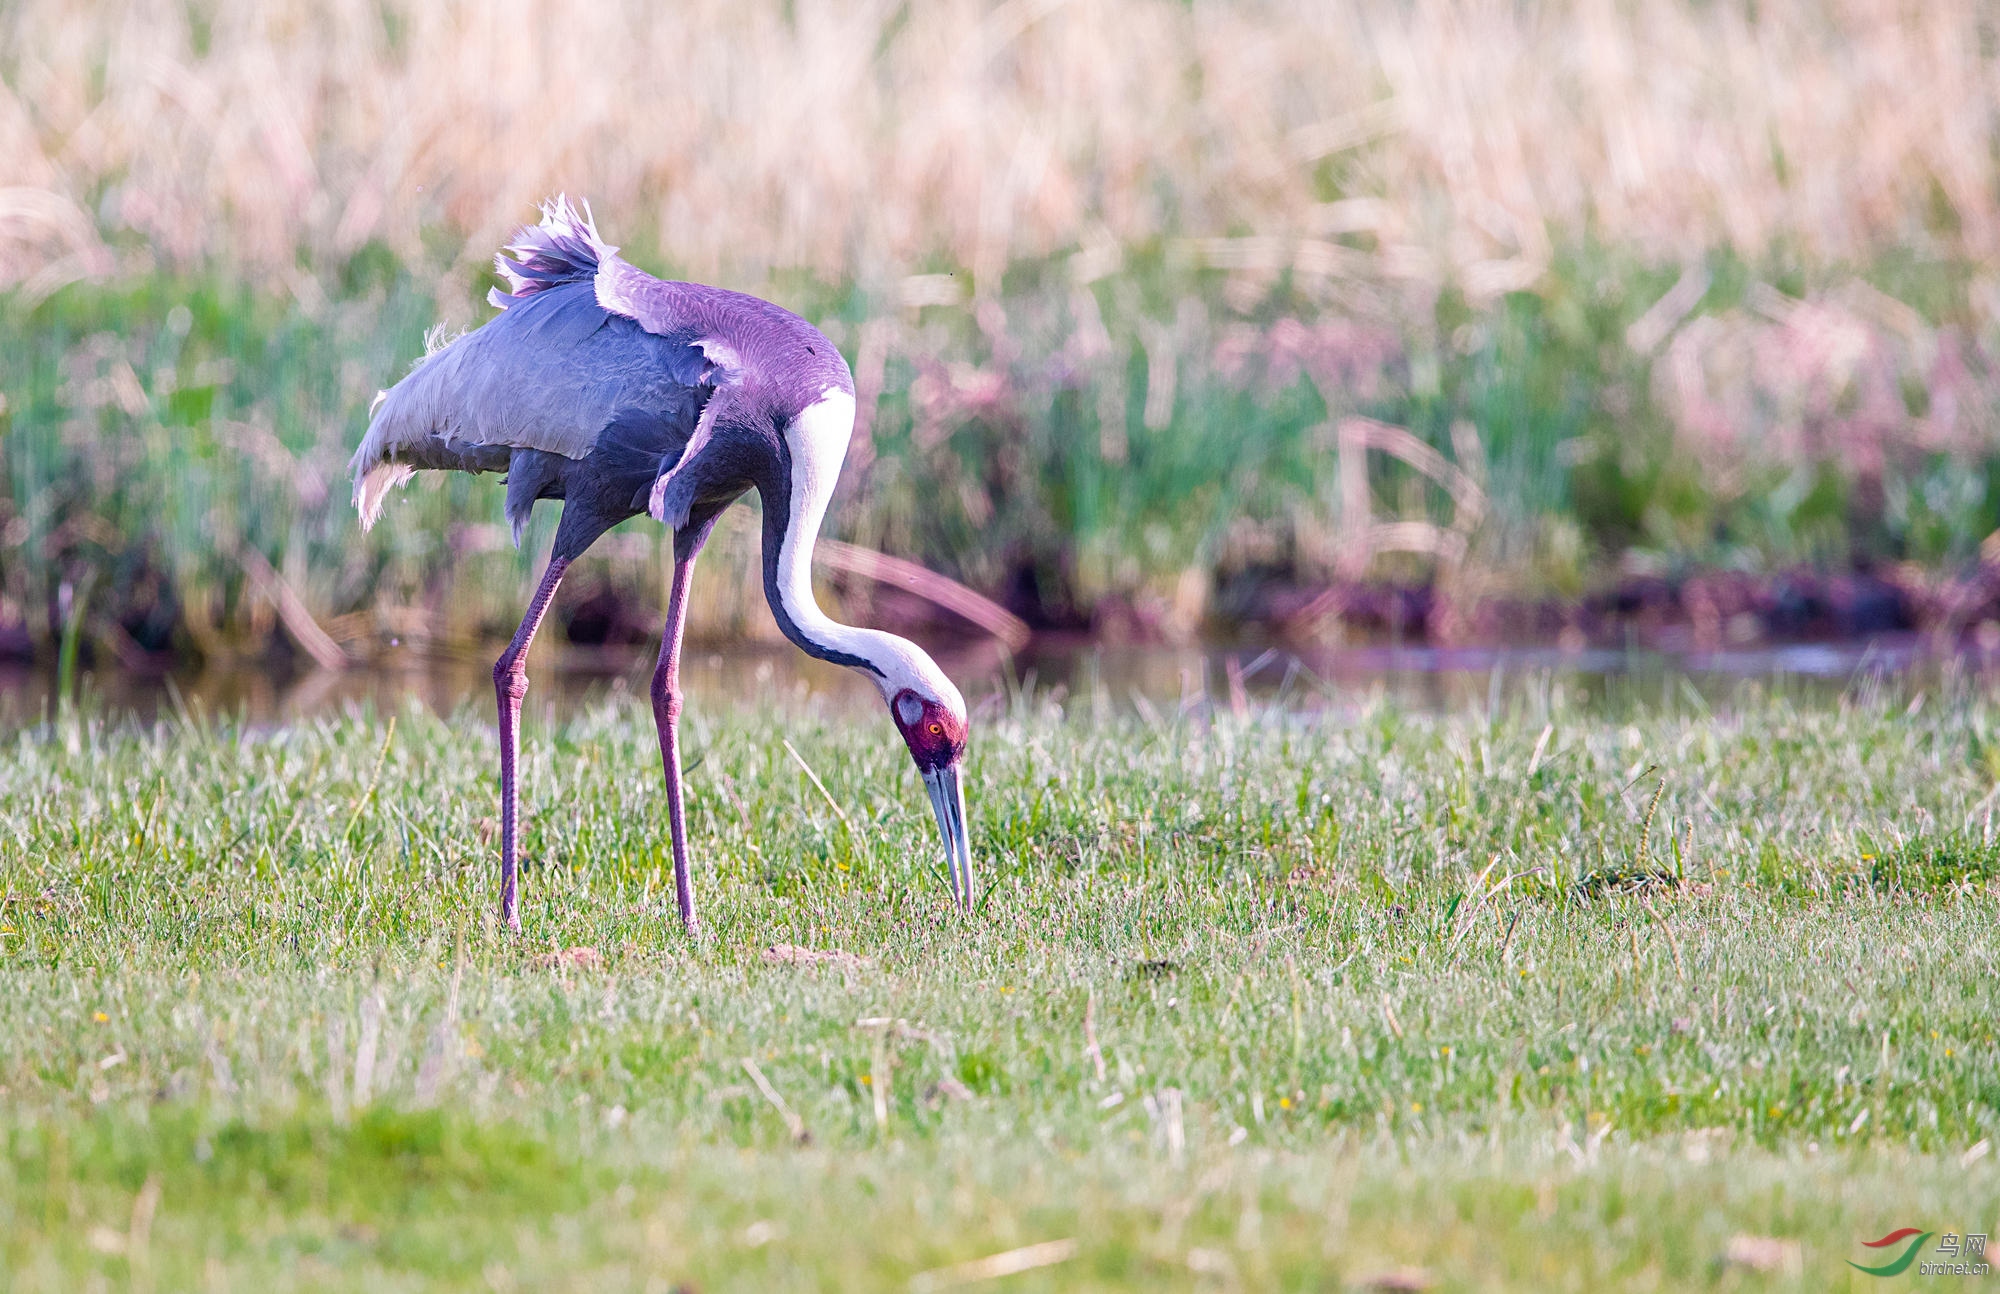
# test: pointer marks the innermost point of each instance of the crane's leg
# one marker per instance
(667, 714)
(510, 684)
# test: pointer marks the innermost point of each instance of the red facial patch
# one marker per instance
(935, 735)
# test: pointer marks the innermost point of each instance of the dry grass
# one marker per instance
(870, 141)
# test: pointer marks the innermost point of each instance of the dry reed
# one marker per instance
(868, 141)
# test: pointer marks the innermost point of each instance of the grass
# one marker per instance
(1675, 285)
(1555, 996)
(1458, 142)
(160, 436)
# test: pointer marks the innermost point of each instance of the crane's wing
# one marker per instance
(551, 372)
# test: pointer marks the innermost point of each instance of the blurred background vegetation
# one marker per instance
(1466, 318)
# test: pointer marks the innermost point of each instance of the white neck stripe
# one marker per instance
(818, 442)
(817, 439)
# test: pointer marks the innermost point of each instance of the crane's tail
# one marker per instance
(375, 473)
(398, 421)
(406, 424)
(372, 490)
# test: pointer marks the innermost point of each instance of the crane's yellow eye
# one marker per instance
(936, 728)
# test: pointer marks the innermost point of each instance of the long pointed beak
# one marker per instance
(948, 802)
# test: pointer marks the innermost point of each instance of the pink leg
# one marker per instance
(666, 716)
(510, 684)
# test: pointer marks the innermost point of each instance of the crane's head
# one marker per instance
(930, 714)
(926, 708)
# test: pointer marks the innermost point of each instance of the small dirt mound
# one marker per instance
(799, 955)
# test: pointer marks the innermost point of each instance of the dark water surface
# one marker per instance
(1143, 677)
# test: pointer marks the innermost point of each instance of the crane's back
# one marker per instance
(591, 382)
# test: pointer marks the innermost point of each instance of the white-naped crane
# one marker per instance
(621, 394)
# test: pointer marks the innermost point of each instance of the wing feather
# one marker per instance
(549, 373)
(584, 342)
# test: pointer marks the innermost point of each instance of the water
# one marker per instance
(1145, 677)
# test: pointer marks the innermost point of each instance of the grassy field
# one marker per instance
(1563, 996)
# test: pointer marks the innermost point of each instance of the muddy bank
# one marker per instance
(1699, 611)
(134, 631)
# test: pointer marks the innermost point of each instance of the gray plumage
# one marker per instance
(590, 385)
